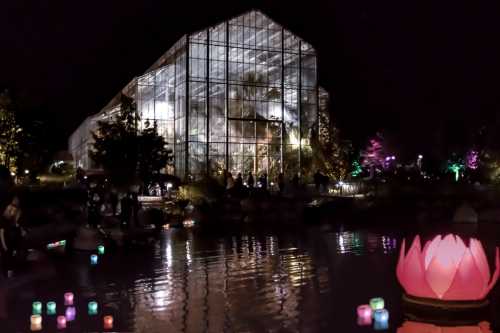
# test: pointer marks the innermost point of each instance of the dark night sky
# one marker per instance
(425, 73)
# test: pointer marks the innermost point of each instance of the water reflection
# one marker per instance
(360, 243)
(417, 327)
(306, 281)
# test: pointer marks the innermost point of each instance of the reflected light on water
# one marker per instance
(418, 327)
(354, 243)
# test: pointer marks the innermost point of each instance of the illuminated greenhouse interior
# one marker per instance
(241, 95)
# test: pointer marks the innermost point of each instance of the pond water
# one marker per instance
(298, 280)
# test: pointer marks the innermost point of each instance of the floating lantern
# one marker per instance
(37, 308)
(93, 259)
(382, 326)
(36, 322)
(364, 321)
(69, 298)
(51, 308)
(108, 322)
(70, 313)
(417, 327)
(377, 303)
(364, 311)
(100, 249)
(61, 322)
(446, 270)
(381, 315)
(92, 307)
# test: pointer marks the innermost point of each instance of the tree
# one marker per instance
(373, 156)
(10, 133)
(153, 153)
(126, 153)
(115, 144)
(472, 159)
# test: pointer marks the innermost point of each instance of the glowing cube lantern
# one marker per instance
(108, 322)
(69, 298)
(381, 326)
(364, 311)
(446, 269)
(381, 315)
(92, 307)
(51, 308)
(364, 321)
(93, 259)
(70, 313)
(36, 322)
(377, 303)
(37, 308)
(61, 322)
(100, 249)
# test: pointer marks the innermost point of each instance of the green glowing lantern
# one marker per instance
(377, 303)
(51, 308)
(92, 308)
(37, 308)
(100, 249)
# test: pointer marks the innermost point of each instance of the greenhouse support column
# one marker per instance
(227, 97)
(186, 94)
(282, 96)
(207, 102)
(299, 105)
(317, 101)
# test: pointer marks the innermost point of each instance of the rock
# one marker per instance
(465, 214)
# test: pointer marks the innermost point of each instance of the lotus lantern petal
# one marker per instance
(446, 269)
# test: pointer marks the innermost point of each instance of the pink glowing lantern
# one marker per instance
(61, 322)
(364, 311)
(108, 322)
(364, 321)
(416, 327)
(446, 269)
(69, 298)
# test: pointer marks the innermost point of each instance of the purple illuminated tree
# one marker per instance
(373, 155)
(472, 159)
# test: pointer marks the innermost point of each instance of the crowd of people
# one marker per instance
(251, 183)
(104, 202)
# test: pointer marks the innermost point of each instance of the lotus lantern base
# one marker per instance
(444, 312)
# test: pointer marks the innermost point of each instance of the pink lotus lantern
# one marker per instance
(446, 270)
(416, 327)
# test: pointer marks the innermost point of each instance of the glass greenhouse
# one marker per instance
(241, 95)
